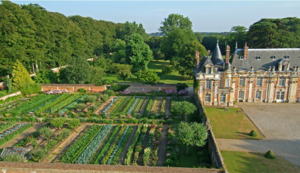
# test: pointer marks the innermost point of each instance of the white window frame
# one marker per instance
(208, 70)
(223, 98)
(207, 97)
(281, 81)
(208, 84)
(259, 83)
(227, 82)
(258, 96)
(244, 81)
(280, 94)
(243, 94)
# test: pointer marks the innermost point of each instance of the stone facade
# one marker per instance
(251, 75)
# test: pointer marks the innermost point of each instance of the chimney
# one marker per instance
(208, 53)
(227, 54)
(197, 60)
(245, 51)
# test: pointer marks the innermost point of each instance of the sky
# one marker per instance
(206, 16)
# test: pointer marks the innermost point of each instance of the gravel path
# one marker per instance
(168, 106)
(122, 158)
(26, 133)
(162, 151)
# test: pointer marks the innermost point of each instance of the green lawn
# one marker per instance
(188, 161)
(230, 124)
(237, 162)
(173, 78)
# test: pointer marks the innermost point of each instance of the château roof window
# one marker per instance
(258, 57)
(273, 57)
(241, 57)
(286, 57)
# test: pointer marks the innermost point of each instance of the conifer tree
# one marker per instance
(20, 75)
(8, 84)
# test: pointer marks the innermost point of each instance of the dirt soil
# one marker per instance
(122, 158)
(162, 151)
(65, 144)
(103, 105)
(26, 133)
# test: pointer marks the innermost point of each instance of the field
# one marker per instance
(232, 124)
(119, 130)
(157, 66)
(237, 162)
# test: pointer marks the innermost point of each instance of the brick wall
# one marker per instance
(73, 87)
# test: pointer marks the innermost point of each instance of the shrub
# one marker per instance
(109, 92)
(181, 86)
(73, 123)
(91, 99)
(104, 97)
(92, 108)
(81, 90)
(37, 155)
(58, 122)
(253, 133)
(270, 155)
(80, 106)
(118, 88)
(167, 70)
(12, 158)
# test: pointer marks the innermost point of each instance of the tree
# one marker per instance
(91, 99)
(191, 134)
(118, 45)
(96, 75)
(58, 122)
(20, 76)
(8, 84)
(175, 21)
(174, 41)
(183, 108)
(186, 58)
(138, 53)
(133, 28)
(80, 106)
(147, 76)
(125, 72)
(73, 123)
(78, 71)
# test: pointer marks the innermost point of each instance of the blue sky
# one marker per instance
(212, 16)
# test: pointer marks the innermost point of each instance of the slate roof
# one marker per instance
(203, 62)
(265, 60)
(216, 57)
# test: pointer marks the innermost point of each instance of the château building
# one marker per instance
(250, 75)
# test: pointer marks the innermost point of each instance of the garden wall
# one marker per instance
(14, 167)
(10, 95)
(215, 153)
(73, 87)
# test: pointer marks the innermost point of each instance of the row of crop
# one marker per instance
(133, 143)
(173, 149)
(9, 99)
(115, 156)
(116, 105)
(72, 153)
(120, 107)
(37, 103)
(113, 101)
(163, 106)
(143, 107)
(138, 105)
(62, 111)
(24, 105)
(11, 103)
(136, 101)
(147, 150)
(64, 103)
(4, 126)
(52, 103)
(92, 147)
(139, 145)
(42, 104)
(156, 141)
(148, 108)
(107, 145)
(112, 146)
(15, 132)
(127, 107)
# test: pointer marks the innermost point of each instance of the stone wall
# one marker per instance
(10, 95)
(14, 167)
(73, 87)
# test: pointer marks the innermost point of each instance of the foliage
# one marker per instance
(147, 150)
(73, 104)
(8, 84)
(131, 146)
(186, 60)
(138, 53)
(167, 70)
(58, 122)
(52, 103)
(45, 76)
(45, 132)
(147, 76)
(104, 97)
(253, 133)
(118, 88)
(12, 158)
(181, 86)
(129, 29)
(64, 103)
(73, 123)
(96, 75)
(183, 108)
(175, 21)
(109, 92)
(90, 99)
(9, 134)
(92, 108)
(125, 73)
(191, 134)
(4, 126)
(270, 155)
(79, 71)
(80, 106)
(91, 148)
(29, 88)
(20, 76)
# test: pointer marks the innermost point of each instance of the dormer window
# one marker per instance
(241, 57)
(286, 57)
(208, 70)
(273, 57)
(258, 57)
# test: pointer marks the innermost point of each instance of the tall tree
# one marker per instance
(20, 76)
(138, 53)
(79, 71)
(175, 21)
(183, 108)
(133, 28)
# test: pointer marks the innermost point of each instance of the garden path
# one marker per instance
(162, 151)
(103, 105)
(168, 106)
(122, 158)
(26, 133)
